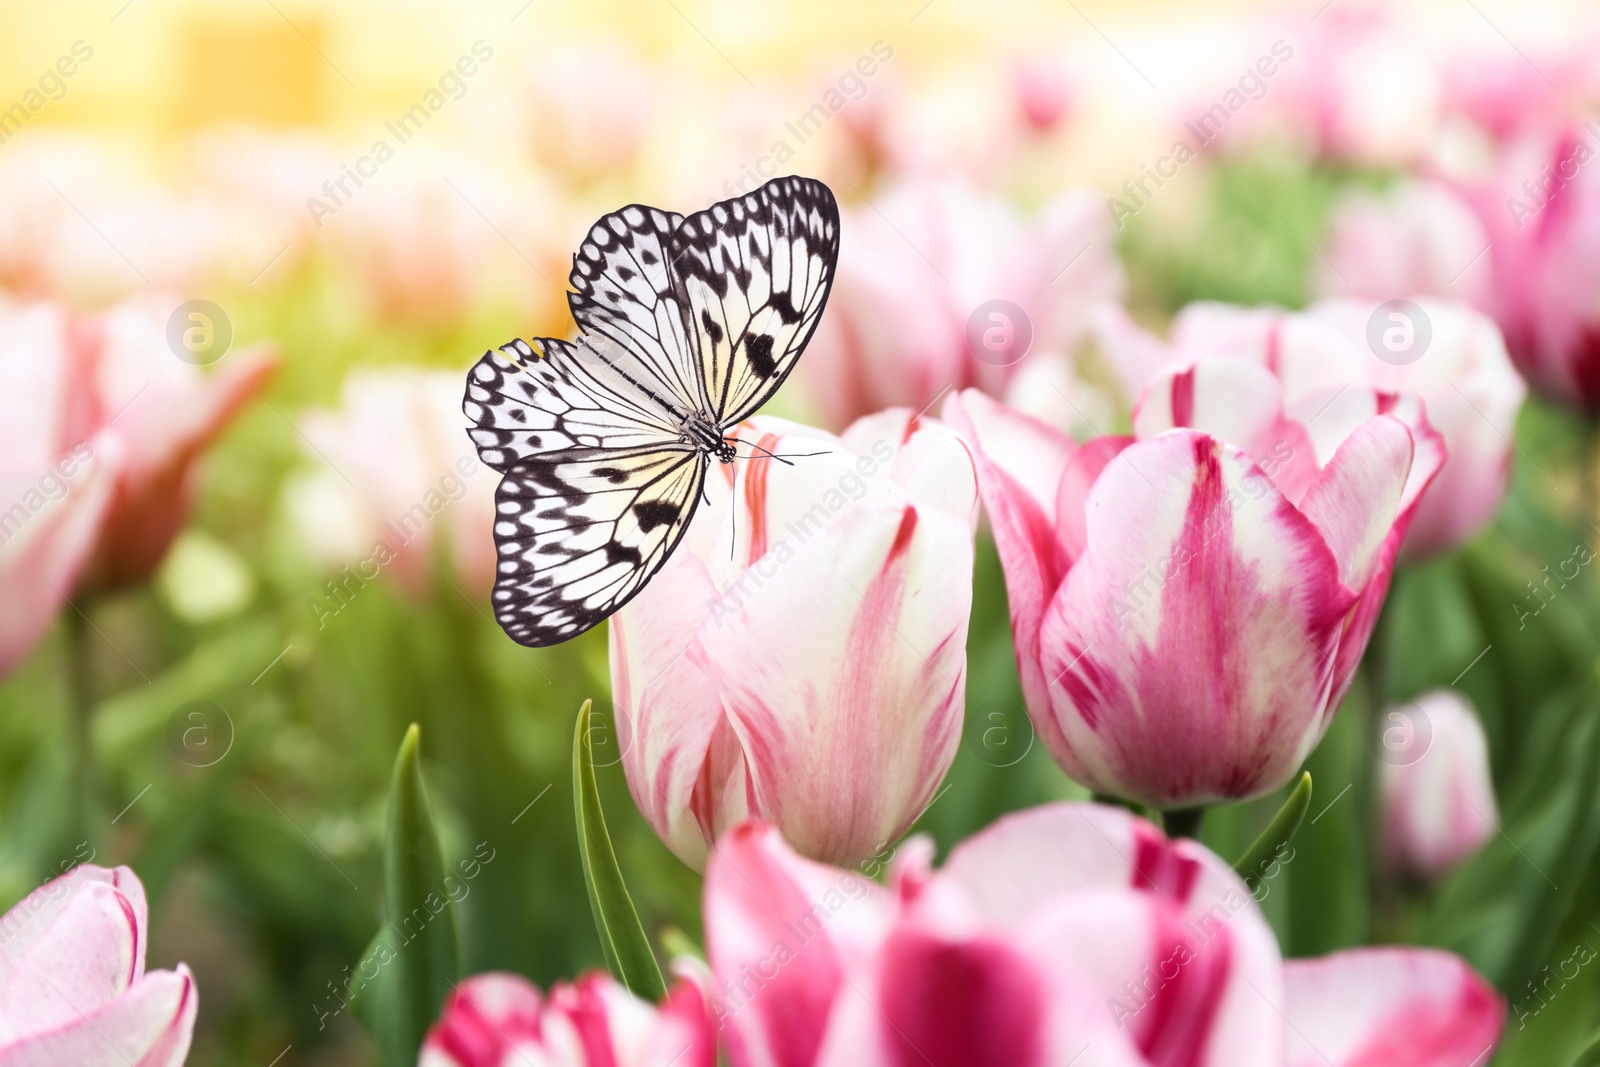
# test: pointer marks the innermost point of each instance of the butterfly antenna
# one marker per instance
(783, 457)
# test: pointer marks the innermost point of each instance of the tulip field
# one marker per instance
(800, 535)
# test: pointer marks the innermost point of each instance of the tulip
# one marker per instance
(500, 1020)
(916, 270)
(1416, 239)
(802, 654)
(1188, 606)
(397, 482)
(1542, 214)
(1464, 377)
(74, 988)
(101, 431)
(1071, 933)
(1438, 798)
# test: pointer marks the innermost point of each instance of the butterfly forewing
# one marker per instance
(525, 401)
(625, 295)
(580, 532)
(755, 273)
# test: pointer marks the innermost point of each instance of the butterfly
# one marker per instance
(686, 326)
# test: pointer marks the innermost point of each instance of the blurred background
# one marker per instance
(254, 244)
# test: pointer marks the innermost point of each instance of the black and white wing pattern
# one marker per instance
(579, 533)
(685, 327)
(755, 273)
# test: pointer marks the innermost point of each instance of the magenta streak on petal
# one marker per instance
(1160, 868)
(959, 1004)
(587, 1010)
(1427, 1033)
(1185, 983)
(471, 1038)
(1191, 716)
(1183, 397)
(1274, 344)
(133, 924)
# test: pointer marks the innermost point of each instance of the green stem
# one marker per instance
(1183, 822)
(80, 720)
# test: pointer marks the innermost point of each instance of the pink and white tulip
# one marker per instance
(1189, 605)
(913, 272)
(73, 987)
(500, 1020)
(1438, 801)
(1417, 239)
(1464, 376)
(397, 484)
(1542, 215)
(1071, 933)
(101, 431)
(802, 655)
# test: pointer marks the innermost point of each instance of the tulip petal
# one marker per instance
(33, 918)
(942, 1002)
(928, 461)
(43, 552)
(1385, 1007)
(1020, 465)
(782, 932)
(86, 958)
(1355, 501)
(150, 1025)
(1202, 618)
(845, 753)
(669, 714)
(484, 1019)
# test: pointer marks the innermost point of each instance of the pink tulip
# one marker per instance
(803, 657)
(1188, 606)
(101, 430)
(1463, 376)
(500, 1020)
(917, 268)
(73, 987)
(1071, 933)
(1438, 798)
(397, 482)
(1417, 239)
(1542, 215)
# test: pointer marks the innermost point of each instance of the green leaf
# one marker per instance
(1279, 832)
(627, 950)
(1590, 1056)
(416, 955)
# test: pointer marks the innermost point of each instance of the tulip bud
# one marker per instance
(500, 1020)
(76, 990)
(1438, 798)
(802, 656)
(1188, 606)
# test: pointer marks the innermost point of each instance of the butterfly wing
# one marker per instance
(754, 274)
(580, 531)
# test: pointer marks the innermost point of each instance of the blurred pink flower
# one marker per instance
(1464, 377)
(589, 108)
(73, 988)
(1071, 933)
(1357, 89)
(1416, 239)
(803, 658)
(914, 270)
(1438, 797)
(1541, 211)
(1044, 93)
(398, 484)
(101, 430)
(500, 1020)
(1189, 605)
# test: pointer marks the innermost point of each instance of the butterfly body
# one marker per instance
(686, 326)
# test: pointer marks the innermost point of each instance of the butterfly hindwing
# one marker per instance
(754, 273)
(580, 532)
